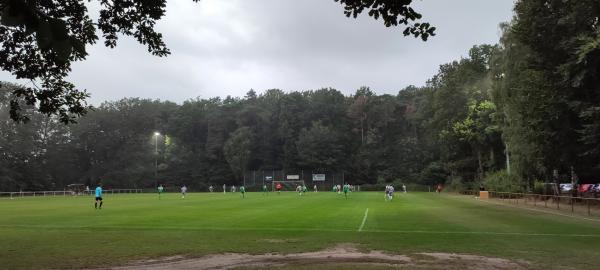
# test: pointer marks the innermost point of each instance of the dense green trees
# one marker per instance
(548, 88)
(506, 115)
(368, 137)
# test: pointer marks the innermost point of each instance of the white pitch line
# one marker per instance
(364, 220)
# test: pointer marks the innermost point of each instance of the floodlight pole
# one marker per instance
(156, 134)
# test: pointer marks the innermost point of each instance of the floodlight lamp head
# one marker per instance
(157, 133)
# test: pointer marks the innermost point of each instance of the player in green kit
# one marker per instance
(304, 189)
(160, 191)
(346, 190)
(243, 191)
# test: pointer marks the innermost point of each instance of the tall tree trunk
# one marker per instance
(414, 130)
(362, 131)
(492, 157)
(507, 158)
(480, 164)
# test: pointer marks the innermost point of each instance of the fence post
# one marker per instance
(535, 200)
(588, 205)
(558, 202)
(572, 206)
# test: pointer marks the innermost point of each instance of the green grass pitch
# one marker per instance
(66, 232)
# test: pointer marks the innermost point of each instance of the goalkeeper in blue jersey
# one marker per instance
(98, 197)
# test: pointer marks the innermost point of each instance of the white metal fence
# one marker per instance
(64, 193)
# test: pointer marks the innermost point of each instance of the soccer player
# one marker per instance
(304, 189)
(183, 191)
(278, 187)
(160, 190)
(387, 192)
(98, 197)
(224, 189)
(346, 189)
(404, 188)
(243, 191)
(391, 193)
(339, 189)
(210, 189)
(299, 190)
(265, 190)
(233, 189)
(334, 188)
(315, 188)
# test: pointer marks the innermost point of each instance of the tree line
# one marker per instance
(506, 115)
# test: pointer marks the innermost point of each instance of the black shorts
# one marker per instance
(98, 198)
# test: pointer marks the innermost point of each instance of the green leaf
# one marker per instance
(78, 45)
(62, 49)
(8, 18)
(59, 29)
(44, 35)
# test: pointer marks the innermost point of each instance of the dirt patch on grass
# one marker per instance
(339, 257)
(465, 261)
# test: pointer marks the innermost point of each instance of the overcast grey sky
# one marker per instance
(226, 47)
